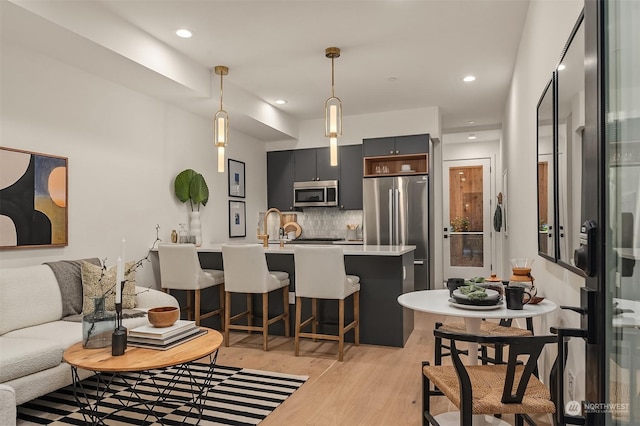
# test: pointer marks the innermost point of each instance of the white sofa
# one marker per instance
(33, 335)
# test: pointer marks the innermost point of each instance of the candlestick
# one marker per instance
(119, 280)
(119, 337)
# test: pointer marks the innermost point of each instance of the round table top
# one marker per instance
(437, 302)
(140, 359)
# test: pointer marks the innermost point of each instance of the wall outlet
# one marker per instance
(292, 298)
(570, 385)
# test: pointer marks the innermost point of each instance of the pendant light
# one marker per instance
(221, 122)
(333, 112)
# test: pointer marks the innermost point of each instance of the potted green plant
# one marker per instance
(460, 224)
(190, 186)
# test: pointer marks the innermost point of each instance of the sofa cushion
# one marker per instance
(22, 356)
(96, 282)
(28, 296)
(69, 277)
(64, 333)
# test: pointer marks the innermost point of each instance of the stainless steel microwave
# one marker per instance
(318, 193)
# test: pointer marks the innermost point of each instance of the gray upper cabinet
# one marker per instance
(313, 164)
(280, 178)
(350, 187)
(286, 167)
(399, 145)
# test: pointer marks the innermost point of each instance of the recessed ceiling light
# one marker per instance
(392, 78)
(281, 102)
(561, 67)
(468, 79)
(471, 137)
(471, 122)
(184, 33)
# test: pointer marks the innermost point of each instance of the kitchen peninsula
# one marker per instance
(385, 273)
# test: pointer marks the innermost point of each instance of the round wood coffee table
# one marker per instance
(120, 377)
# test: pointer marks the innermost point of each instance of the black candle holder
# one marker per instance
(119, 337)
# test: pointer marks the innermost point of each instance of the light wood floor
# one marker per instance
(374, 385)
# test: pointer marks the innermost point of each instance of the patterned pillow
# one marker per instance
(93, 287)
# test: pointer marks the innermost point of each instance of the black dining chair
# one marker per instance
(509, 388)
(502, 328)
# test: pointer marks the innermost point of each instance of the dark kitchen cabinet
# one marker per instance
(280, 178)
(314, 164)
(398, 145)
(350, 186)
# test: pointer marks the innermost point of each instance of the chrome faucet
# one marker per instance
(265, 235)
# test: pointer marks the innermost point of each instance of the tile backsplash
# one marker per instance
(321, 222)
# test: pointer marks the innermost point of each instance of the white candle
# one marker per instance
(119, 279)
(333, 119)
(122, 244)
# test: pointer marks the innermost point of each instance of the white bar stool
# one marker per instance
(245, 271)
(180, 270)
(320, 274)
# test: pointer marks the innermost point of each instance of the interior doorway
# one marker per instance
(466, 216)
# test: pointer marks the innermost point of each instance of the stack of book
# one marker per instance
(148, 336)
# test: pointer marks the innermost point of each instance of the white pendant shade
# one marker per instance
(333, 112)
(221, 159)
(333, 151)
(221, 123)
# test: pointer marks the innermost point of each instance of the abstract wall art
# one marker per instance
(33, 199)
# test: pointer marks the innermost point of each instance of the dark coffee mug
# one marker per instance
(453, 283)
(514, 297)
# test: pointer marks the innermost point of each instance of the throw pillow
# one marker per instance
(93, 287)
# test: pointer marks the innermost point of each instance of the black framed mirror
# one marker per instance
(570, 89)
(546, 149)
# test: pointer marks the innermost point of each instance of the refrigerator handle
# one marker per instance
(391, 216)
(396, 214)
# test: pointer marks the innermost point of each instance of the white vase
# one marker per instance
(195, 228)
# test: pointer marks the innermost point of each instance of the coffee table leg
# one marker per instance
(88, 399)
(90, 410)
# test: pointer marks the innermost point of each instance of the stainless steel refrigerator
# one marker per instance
(396, 212)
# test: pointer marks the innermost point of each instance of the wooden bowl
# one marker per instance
(163, 316)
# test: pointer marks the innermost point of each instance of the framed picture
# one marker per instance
(237, 219)
(236, 178)
(33, 200)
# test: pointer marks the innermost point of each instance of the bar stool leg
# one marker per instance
(227, 317)
(265, 320)
(249, 311)
(190, 304)
(297, 325)
(356, 316)
(196, 305)
(287, 319)
(314, 314)
(222, 305)
(341, 330)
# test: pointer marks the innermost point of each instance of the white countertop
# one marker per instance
(349, 250)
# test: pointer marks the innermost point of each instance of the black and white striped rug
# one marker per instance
(236, 396)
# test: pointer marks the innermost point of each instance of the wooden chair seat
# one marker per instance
(487, 328)
(487, 382)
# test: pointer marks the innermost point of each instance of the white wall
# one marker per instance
(357, 127)
(124, 150)
(546, 31)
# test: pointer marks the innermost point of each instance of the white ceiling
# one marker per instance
(396, 54)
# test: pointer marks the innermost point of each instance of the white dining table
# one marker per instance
(438, 302)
